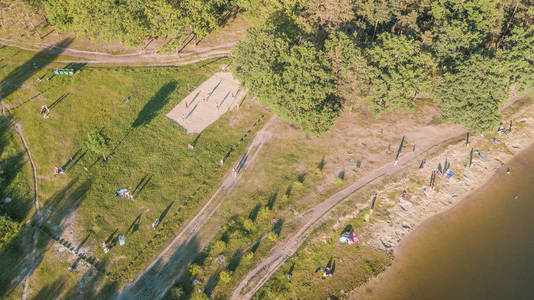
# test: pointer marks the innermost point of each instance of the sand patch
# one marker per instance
(207, 103)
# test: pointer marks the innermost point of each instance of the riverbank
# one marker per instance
(396, 217)
(480, 249)
(401, 216)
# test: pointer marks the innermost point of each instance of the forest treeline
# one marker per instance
(310, 59)
(133, 21)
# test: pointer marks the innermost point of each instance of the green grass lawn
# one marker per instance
(354, 265)
(15, 178)
(145, 143)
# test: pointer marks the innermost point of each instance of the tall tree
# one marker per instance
(349, 68)
(460, 27)
(400, 70)
(322, 17)
(256, 62)
(308, 88)
(518, 54)
(473, 94)
(375, 13)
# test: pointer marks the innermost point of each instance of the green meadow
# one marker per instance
(147, 154)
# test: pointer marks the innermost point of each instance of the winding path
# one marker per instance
(255, 279)
(18, 130)
(142, 57)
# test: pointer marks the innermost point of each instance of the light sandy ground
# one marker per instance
(387, 233)
(207, 103)
(404, 217)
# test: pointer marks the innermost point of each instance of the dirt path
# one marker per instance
(31, 252)
(161, 274)
(255, 279)
(141, 57)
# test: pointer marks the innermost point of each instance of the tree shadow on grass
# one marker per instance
(20, 205)
(165, 212)
(211, 283)
(10, 167)
(158, 278)
(135, 225)
(16, 78)
(151, 109)
(51, 290)
(17, 262)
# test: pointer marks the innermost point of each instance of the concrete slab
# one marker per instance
(207, 103)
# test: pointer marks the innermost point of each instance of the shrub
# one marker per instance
(225, 277)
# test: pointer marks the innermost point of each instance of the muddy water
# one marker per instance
(481, 249)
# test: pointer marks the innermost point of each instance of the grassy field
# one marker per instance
(150, 156)
(270, 188)
(16, 175)
(15, 183)
(292, 174)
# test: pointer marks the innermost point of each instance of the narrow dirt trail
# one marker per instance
(161, 274)
(31, 253)
(255, 279)
(141, 57)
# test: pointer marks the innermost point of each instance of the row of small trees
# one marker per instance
(310, 59)
(134, 21)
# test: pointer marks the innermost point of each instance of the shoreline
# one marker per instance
(395, 220)
(466, 200)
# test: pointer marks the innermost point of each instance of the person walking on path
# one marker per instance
(155, 224)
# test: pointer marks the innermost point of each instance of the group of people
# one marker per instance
(329, 270)
(45, 111)
(124, 193)
(58, 170)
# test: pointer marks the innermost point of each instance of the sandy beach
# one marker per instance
(395, 217)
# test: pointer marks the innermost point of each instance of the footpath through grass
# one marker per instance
(149, 156)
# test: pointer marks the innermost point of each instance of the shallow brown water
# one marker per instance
(481, 249)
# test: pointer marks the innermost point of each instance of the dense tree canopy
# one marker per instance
(8, 229)
(308, 59)
(132, 21)
(473, 94)
(518, 55)
(296, 81)
(400, 72)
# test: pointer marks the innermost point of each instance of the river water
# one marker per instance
(481, 249)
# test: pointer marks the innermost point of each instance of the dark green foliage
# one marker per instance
(8, 229)
(518, 53)
(297, 82)
(472, 96)
(400, 71)
(133, 21)
(349, 69)
(460, 28)
(380, 55)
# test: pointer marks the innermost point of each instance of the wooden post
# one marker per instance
(399, 151)
(471, 159)
(467, 139)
